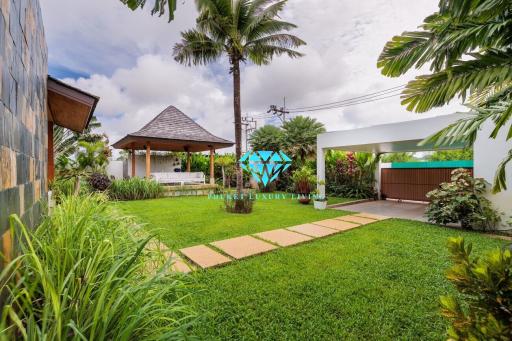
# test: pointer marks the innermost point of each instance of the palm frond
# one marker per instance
(404, 52)
(263, 54)
(427, 92)
(159, 7)
(196, 48)
(500, 179)
(261, 15)
(282, 40)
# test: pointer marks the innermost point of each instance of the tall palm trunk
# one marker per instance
(238, 124)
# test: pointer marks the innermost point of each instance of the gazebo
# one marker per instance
(172, 130)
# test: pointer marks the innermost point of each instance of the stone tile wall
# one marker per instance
(23, 115)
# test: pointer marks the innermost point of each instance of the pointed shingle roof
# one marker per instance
(174, 126)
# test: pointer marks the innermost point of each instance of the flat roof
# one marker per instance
(391, 137)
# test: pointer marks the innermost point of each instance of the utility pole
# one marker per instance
(249, 126)
(279, 112)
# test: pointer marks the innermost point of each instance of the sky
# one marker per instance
(125, 58)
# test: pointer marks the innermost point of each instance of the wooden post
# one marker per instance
(51, 161)
(148, 161)
(133, 162)
(212, 173)
(189, 161)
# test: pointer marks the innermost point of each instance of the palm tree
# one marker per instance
(469, 47)
(267, 137)
(300, 137)
(241, 30)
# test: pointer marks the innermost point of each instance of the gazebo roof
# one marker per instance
(172, 130)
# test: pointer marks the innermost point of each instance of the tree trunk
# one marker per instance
(77, 185)
(223, 177)
(238, 124)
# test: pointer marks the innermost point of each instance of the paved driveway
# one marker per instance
(394, 209)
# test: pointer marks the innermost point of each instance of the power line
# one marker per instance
(372, 95)
(343, 105)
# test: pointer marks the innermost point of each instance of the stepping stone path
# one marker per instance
(336, 224)
(312, 230)
(283, 237)
(216, 254)
(204, 256)
(177, 263)
(242, 247)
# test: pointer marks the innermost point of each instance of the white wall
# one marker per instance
(488, 153)
(159, 163)
(115, 169)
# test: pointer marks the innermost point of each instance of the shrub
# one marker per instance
(239, 204)
(135, 189)
(62, 187)
(484, 311)
(81, 275)
(462, 200)
(304, 180)
(99, 182)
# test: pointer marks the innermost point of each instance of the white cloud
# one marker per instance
(128, 55)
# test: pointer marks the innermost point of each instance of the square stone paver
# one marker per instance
(313, 230)
(245, 246)
(336, 224)
(371, 216)
(178, 264)
(355, 219)
(283, 237)
(204, 256)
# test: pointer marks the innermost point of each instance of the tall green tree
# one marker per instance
(267, 137)
(300, 137)
(241, 30)
(468, 44)
(65, 141)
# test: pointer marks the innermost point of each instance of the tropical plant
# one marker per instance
(159, 7)
(304, 180)
(483, 309)
(227, 165)
(351, 175)
(468, 46)
(91, 157)
(81, 275)
(462, 201)
(135, 189)
(300, 137)
(99, 182)
(65, 141)
(235, 203)
(267, 137)
(451, 155)
(242, 30)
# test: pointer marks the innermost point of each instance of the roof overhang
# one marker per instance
(68, 106)
(390, 138)
(140, 143)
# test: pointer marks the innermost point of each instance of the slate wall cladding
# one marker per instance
(23, 115)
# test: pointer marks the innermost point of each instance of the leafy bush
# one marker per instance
(485, 310)
(63, 187)
(135, 189)
(243, 203)
(81, 275)
(304, 180)
(351, 175)
(462, 200)
(99, 182)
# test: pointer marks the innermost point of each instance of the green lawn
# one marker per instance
(187, 221)
(380, 281)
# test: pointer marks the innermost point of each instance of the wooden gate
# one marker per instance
(412, 183)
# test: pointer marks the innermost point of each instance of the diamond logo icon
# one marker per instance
(265, 166)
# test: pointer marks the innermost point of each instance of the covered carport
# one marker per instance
(406, 137)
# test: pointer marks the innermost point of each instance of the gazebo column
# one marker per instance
(189, 161)
(133, 162)
(148, 161)
(212, 173)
